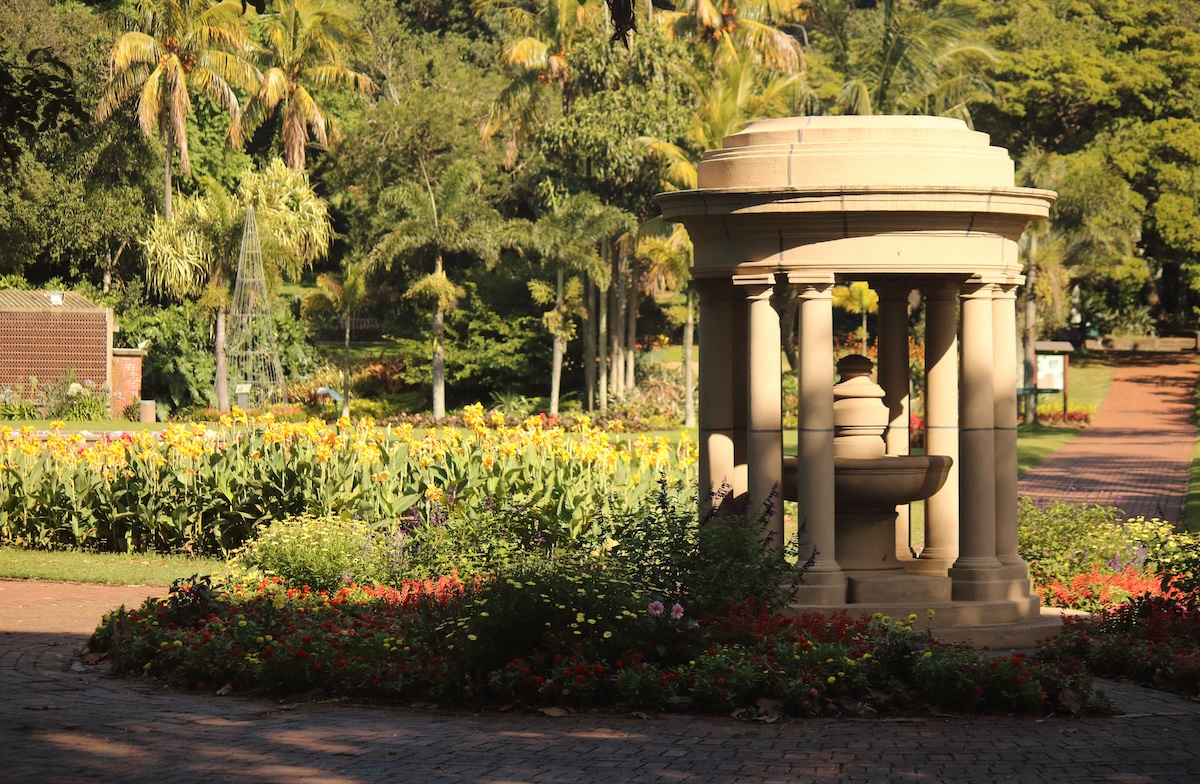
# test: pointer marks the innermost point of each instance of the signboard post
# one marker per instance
(1053, 361)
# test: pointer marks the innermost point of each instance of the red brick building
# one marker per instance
(46, 334)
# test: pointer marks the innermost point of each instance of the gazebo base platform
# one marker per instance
(998, 624)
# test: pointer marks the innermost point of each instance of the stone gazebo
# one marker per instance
(903, 203)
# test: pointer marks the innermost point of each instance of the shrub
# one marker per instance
(1061, 540)
(710, 563)
(13, 406)
(1153, 640)
(325, 553)
(1082, 556)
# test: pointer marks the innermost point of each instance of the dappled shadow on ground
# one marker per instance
(71, 727)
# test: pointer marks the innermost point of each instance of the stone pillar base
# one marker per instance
(821, 589)
(896, 588)
(929, 564)
(987, 585)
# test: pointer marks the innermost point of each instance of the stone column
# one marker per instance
(825, 582)
(764, 411)
(1004, 341)
(739, 368)
(894, 378)
(941, 428)
(715, 413)
(976, 567)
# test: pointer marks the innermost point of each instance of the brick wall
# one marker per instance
(46, 345)
(126, 378)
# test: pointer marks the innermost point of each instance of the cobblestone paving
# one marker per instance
(62, 721)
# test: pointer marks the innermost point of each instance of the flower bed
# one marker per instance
(207, 491)
(588, 642)
(1153, 640)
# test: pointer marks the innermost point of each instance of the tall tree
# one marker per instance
(669, 254)
(538, 55)
(179, 46)
(858, 298)
(192, 254)
(345, 296)
(306, 44)
(903, 56)
(758, 27)
(449, 215)
(566, 235)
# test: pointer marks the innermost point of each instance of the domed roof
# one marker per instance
(855, 152)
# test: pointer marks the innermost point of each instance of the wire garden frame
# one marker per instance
(254, 366)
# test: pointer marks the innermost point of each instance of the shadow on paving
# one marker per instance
(69, 727)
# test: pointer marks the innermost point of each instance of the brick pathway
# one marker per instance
(61, 721)
(1137, 452)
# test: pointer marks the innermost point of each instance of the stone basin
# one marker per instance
(878, 481)
(889, 480)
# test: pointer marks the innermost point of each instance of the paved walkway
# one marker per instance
(63, 721)
(1138, 450)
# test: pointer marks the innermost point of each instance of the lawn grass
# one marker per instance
(1035, 443)
(97, 426)
(1191, 506)
(109, 568)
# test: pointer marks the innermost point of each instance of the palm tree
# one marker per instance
(668, 252)
(539, 55)
(191, 253)
(180, 45)
(305, 42)
(754, 26)
(735, 93)
(905, 57)
(345, 296)
(738, 91)
(567, 235)
(858, 297)
(446, 216)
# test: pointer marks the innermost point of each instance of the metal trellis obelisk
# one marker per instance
(253, 359)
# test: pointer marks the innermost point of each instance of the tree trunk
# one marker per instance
(222, 368)
(167, 180)
(346, 372)
(689, 402)
(439, 366)
(589, 342)
(616, 338)
(631, 309)
(1031, 276)
(602, 358)
(559, 346)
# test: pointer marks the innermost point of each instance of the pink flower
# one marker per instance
(656, 609)
(676, 611)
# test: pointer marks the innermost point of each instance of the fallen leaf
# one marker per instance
(556, 711)
(1070, 700)
(93, 657)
